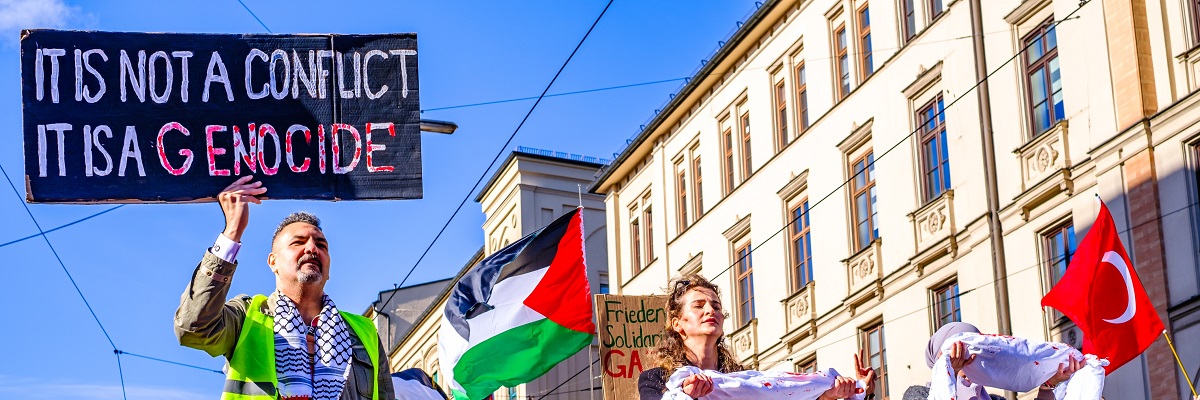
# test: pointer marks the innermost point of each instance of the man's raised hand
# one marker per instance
(235, 201)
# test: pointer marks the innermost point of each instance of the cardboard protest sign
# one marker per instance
(156, 117)
(630, 328)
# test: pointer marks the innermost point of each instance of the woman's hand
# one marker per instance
(697, 386)
(865, 374)
(1065, 370)
(843, 388)
(960, 357)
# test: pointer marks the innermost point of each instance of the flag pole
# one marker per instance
(1181, 368)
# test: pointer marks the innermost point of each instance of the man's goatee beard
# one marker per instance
(308, 277)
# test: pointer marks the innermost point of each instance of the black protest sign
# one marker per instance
(156, 117)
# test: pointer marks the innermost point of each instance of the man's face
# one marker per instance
(300, 254)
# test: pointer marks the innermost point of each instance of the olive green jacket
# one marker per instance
(205, 321)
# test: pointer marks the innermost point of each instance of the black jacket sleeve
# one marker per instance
(652, 384)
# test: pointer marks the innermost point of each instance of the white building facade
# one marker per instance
(826, 169)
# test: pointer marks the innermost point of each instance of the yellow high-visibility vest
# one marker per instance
(251, 373)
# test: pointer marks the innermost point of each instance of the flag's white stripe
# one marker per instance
(413, 390)
(508, 298)
(451, 347)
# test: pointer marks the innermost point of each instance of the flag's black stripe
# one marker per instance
(533, 252)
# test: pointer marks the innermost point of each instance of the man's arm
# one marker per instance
(204, 320)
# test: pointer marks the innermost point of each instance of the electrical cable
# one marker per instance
(252, 14)
(15, 241)
(557, 94)
(497, 157)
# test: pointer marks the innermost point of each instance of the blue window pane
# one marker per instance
(864, 236)
(1036, 51)
(874, 215)
(1037, 83)
(945, 161)
(860, 177)
(1051, 38)
(1041, 117)
(871, 167)
(1055, 76)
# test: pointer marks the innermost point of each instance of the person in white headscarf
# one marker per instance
(960, 357)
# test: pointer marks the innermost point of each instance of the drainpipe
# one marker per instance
(999, 269)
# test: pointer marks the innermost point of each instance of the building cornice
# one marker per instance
(706, 78)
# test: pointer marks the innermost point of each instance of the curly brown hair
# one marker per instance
(671, 353)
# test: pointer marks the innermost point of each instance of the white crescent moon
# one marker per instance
(1117, 262)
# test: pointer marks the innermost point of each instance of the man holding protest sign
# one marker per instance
(293, 344)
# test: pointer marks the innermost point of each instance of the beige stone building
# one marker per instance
(833, 107)
(531, 188)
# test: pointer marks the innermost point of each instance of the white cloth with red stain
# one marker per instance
(758, 385)
(1017, 364)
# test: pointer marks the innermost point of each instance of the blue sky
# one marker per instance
(132, 263)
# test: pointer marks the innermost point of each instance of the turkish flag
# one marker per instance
(1101, 292)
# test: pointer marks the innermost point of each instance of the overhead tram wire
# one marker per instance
(498, 154)
(15, 241)
(252, 14)
(558, 94)
(901, 142)
(71, 278)
(169, 362)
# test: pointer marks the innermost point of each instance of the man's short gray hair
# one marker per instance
(299, 216)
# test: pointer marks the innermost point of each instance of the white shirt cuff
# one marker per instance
(225, 248)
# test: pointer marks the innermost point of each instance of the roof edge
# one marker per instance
(722, 54)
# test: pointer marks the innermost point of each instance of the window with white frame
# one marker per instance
(1043, 78)
(681, 195)
(866, 60)
(801, 79)
(908, 20)
(744, 125)
(779, 96)
(697, 183)
(728, 171)
(744, 281)
(863, 210)
(934, 151)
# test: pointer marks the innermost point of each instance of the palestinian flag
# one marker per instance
(518, 313)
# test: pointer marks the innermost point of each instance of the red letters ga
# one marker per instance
(624, 367)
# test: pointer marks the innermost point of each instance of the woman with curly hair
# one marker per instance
(694, 336)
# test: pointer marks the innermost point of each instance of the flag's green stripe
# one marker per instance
(516, 356)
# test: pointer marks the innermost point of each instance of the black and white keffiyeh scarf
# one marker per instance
(301, 376)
